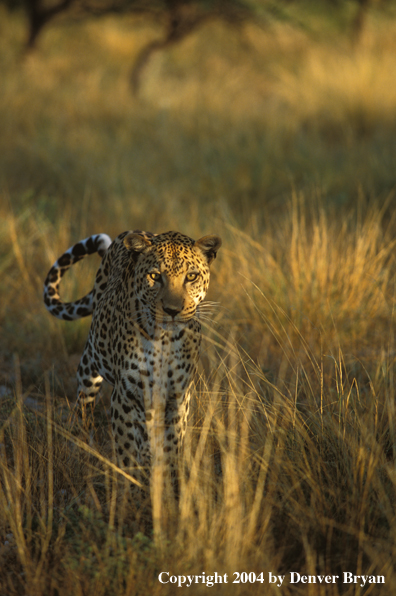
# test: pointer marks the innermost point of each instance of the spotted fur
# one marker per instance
(145, 333)
(70, 311)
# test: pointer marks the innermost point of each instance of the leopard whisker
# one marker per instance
(209, 303)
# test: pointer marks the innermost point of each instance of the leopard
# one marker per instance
(145, 335)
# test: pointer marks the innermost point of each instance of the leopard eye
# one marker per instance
(191, 276)
(155, 276)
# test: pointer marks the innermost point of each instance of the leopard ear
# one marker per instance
(136, 242)
(209, 245)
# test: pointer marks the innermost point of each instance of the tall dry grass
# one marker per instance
(289, 460)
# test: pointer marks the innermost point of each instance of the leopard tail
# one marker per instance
(70, 311)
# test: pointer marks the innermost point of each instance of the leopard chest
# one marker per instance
(156, 367)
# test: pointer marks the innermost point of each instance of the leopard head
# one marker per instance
(171, 276)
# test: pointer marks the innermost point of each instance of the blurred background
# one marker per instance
(196, 102)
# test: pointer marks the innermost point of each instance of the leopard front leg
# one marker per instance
(88, 379)
(130, 435)
(176, 414)
(137, 432)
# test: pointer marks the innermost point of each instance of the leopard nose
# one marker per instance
(172, 311)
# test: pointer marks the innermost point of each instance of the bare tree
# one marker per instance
(179, 18)
(39, 15)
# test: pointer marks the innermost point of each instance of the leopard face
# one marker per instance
(171, 275)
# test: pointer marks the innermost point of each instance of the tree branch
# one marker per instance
(39, 17)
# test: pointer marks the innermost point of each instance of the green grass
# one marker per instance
(284, 145)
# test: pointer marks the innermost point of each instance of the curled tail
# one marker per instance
(70, 311)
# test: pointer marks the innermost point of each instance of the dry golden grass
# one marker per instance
(284, 146)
